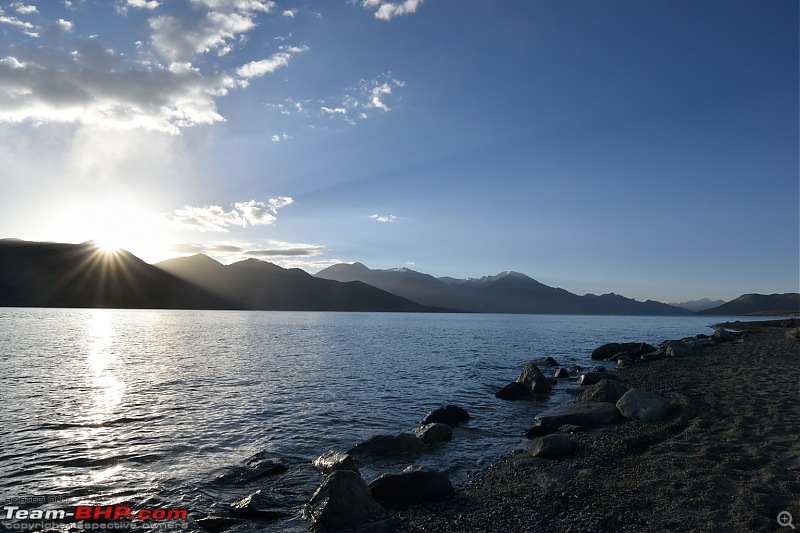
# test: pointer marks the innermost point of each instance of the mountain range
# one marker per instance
(758, 304)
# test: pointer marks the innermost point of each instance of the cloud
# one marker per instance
(256, 69)
(290, 13)
(144, 4)
(23, 9)
(281, 137)
(384, 218)
(287, 254)
(216, 218)
(388, 10)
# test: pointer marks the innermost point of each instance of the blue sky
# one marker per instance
(649, 148)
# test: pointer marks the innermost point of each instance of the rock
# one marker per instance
(607, 351)
(723, 335)
(533, 378)
(678, 349)
(606, 390)
(595, 377)
(332, 461)
(256, 467)
(645, 406)
(553, 446)
(580, 414)
(554, 478)
(575, 368)
(599, 369)
(571, 428)
(624, 360)
(217, 524)
(653, 356)
(793, 334)
(449, 414)
(513, 391)
(257, 506)
(343, 499)
(415, 484)
(390, 445)
(701, 336)
(436, 432)
(562, 373)
(539, 431)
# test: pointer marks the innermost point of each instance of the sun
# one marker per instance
(106, 245)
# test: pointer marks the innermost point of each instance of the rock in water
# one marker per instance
(257, 506)
(590, 378)
(539, 431)
(554, 446)
(606, 390)
(533, 378)
(436, 432)
(580, 414)
(645, 406)
(390, 445)
(332, 461)
(513, 391)
(416, 484)
(562, 373)
(449, 414)
(342, 500)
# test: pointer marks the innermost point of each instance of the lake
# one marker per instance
(148, 408)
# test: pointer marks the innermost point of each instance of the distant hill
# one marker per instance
(699, 305)
(34, 274)
(758, 304)
(259, 285)
(507, 292)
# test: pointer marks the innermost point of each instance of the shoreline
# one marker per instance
(727, 458)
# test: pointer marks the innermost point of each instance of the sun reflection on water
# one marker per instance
(104, 366)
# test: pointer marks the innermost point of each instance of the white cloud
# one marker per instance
(216, 218)
(256, 69)
(23, 9)
(144, 4)
(388, 10)
(290, 13)
(281, 137)
(384, 218)
(286, 254)
(360, 100)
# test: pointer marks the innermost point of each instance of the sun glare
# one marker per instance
(107, 246)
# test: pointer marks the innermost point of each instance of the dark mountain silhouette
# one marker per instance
(699, 305)
(507, 292)
(259, 285)
(34, 274)
(758, 304)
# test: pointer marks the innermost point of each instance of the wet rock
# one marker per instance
(571, 428)
(608, 351)
(390, 445)
(575, 368)
(678, 349)
(591, 378)
(624, 360)
(331, 461)
(449, 414)
(723, 335)
(513, 391)
(539, 431)
(653, 356)
(553, 446)
(254, 468)
(545, 361)
(343, 499)
(641, 405)
(562, 373)
(217, 524)
(599, 369)
(257, 506)
(605, 390)
(416, 484)
(581, 414)
(533, 378)
(436, 432)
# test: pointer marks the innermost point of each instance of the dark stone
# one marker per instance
(553, 446)
(513, 391)
(580, 414)
(607, 350)
(595, 377)
(533, 378)
(332, 461)
(415, 484)
(562, 373)
(575, 368)
(436, 432)
(390, 445)
(606, 390)
(599, 369)
(539, 431)
(217, 524)
(571, 428)
(653, 356)
(257, 506)
(678, 349)
(342, 500)
(701, 336)
(449, 414)
(645, 406)
(256, 467)
(723, 335)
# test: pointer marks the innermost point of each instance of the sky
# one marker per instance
(647, 148)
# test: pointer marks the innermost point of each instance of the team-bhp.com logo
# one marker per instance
(94, 517)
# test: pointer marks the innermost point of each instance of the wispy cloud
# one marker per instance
(216, 218)
(388, 10)
(285, 254)
(384, 218)
(256, 69)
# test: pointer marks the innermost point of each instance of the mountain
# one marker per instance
(699, 305)
(34, 274)
(259, 285)
(758, 304)
(507, 292)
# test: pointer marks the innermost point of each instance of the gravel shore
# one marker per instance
(727, 459)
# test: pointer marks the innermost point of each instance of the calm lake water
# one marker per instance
(147, 408)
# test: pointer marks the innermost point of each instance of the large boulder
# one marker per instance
(257, 506)
(723, 335)
(254, 468)
(449, 414)
(605, 390)
(390, 445)
(590, 378)
(580, 414)
(608, 351)
(539, 431)
(415, 484)
(645, 406)
(342, 500)
(436, 432)
(553, 446)
(678, 349)
(533, 378)
(332, 461)
(513, 391)
(561, 373)
(545, 361)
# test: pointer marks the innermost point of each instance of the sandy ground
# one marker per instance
(728, 459)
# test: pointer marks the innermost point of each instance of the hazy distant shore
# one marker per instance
(726, 460)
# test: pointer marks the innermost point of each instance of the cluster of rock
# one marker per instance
(344, 499)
